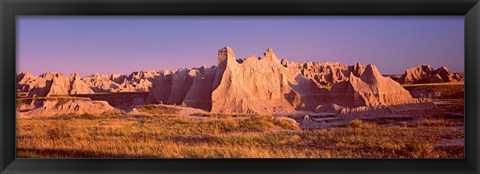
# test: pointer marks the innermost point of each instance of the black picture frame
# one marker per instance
(9, 9)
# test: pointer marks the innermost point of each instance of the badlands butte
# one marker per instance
(252, 85)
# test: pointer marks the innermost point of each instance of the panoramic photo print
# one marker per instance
(240, 87)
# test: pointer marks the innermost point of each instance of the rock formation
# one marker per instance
(25, 81)
(267, 85)
(28, 108)
(77, 86)
(371, 89)
(192, 87)
(426, 74)
(262, 85)
(243, 86)
(54, 83)
(326, 73)
(118, 78)
(48, 84)
(161, 88)
(199, 94)
(102, 83)
(139, 81)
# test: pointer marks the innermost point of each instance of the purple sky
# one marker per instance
(115, 44)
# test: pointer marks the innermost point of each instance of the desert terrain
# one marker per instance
(253, 107)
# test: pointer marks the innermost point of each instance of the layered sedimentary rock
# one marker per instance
(25, 81)
(101, 83)
(182, 81)
(368, 94)
(77, 86)
(139, 81)
(231, 86)
(257, 85)
(199, 94)
(371, 89)
(60, 106)
(54, 83)
(123, 100)
(262, 85)
(161, 87)
(118, 78)
(326, 73)
(191, 87)
(426, 74)
(268, 85)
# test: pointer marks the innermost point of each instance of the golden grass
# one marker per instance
(167, 136)
(435, 84)
(155, 109)
(451, 90)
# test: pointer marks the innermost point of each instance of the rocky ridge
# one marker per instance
(47, 107)
(426, 74)
(262, 85)
(51, 83)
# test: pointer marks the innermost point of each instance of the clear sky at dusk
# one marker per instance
(115, 44)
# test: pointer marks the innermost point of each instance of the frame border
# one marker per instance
(10, 8)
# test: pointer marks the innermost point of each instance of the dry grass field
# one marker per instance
(451, 90)
(167, 135)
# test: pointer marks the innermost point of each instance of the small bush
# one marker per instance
(418, 149)
(157, 109)
(355, 124)
(287, 123)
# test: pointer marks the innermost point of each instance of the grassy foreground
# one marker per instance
(171, 136)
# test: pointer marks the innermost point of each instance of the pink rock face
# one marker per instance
(139, 81)
(254, 86)
(48, 84)
(55, 83)
(426, 74)
(377, 90)
(182, 81)
(327, 73)
(24, 81)
(267, 85)
(370, 89)
(52, 107)
(262, 85)
(101, 83)
(199, 94)
(161, 88)
(77, 86)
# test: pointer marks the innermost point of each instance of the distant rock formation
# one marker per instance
(100, 83)
(25, 81)
(268, 85)
(199, 94)
(426, 74)
(257, 85)
(191, 87)
(77, 86)
(371, 89)
(139, 81)
(54, 83)
(28, 108)
(327, 73)
(261, 85)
